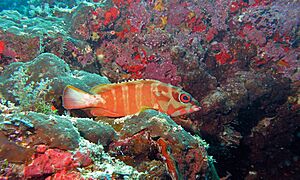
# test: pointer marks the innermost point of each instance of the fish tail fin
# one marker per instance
(74, 98)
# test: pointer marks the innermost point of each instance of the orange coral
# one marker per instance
(170, 162)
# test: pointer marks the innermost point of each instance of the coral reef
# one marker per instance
(183, 154)
(37, 145)
(239, 58)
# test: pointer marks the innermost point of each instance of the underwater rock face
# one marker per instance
(150, 133)
(46, 68)
(13, 152)
(42, 142)
(96, 132)
(79, 28)
(53, 131)
(18, 47)
(240, 59)
(50, 136)
(261, 142)
(51, 146)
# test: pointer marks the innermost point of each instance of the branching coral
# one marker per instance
(30, 96)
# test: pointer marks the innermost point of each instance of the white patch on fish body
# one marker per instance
(98, 98)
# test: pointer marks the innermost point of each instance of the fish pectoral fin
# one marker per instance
(103, 112)
(144, 108)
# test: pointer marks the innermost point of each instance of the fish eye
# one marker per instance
(184, 98)
(112, 32)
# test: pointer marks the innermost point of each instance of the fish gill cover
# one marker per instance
(238, 58)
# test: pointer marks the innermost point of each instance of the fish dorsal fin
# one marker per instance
(136, 80)
(104, 87)
(100, 88)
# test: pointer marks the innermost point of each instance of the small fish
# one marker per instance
(127, 98)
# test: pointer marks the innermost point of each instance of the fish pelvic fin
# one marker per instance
(74, 98)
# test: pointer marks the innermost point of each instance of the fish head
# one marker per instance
(177, 102)
(184, 103)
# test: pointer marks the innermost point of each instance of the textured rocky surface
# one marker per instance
(240, 59)
(48, 145)
(96, 132)
(47, 70)
(161, 138)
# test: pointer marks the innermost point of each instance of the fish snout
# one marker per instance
(195, 108)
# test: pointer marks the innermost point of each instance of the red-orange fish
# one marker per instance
(122, 99)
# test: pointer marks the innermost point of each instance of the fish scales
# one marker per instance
(124, 92)
(120, 100)
(132, 104)
(146, 96)
(129, 101)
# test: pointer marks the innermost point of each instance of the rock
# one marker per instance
(155, 136)
(50, 146)
(238, 92)
(79, 27)
(47, 66)
(280, 135)
(13, 152)
(95, 132)
(22, 47)
(18, 24)
(54, 131)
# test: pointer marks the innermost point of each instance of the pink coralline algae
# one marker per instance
(139, 43)
(237, 57)
(18, 48)
(254, 35)
(7, 55)
(126, 44)
(165, 72)
(57, 162)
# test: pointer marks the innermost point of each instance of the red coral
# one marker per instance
(261, 2)
(55, 161)
(65, 175)
(211, 34)
(124, 2)
(134, 68)
(170, 161)
(222, 57)
(2, 46)
(9, 53)
(111, 15)
(41, 148)
(199, 28)
(196, 24)
(82, 159)
(234, 7)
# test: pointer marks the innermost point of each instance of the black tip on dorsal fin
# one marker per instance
(134, 80)
(125, 80)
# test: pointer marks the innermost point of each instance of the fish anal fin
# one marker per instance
(104, 112)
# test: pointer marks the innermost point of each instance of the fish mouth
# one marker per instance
(187, 110)
(195, 108)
